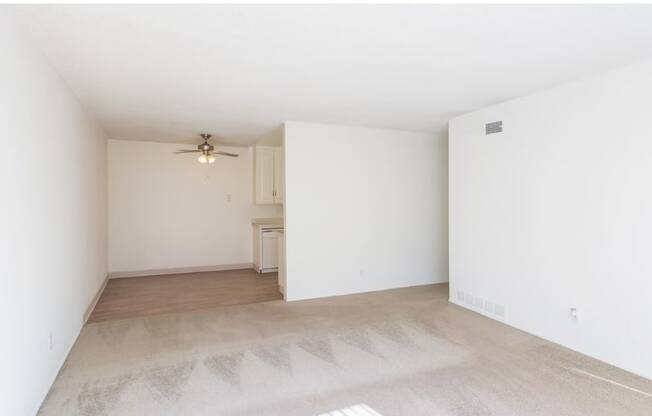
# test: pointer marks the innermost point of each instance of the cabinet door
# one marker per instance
(279, 177)
(264, 175)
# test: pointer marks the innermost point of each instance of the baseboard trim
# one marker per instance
(180, 270)
(361, 292)
(96, 298)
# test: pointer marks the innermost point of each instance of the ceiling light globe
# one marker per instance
(202, 159)
(210, 158)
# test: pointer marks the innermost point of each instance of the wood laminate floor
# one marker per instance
(152, 295)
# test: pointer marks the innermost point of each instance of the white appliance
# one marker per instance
(270, 249)
(266, 247)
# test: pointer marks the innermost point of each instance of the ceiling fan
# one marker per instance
(207, 151)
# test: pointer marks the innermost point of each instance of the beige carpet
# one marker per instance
(398, 352)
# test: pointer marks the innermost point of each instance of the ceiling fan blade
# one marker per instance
(226, 154)
(187, 151)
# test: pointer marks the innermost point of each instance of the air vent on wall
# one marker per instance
(493, 127)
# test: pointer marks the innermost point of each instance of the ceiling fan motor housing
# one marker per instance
(205, 147)
(206, 150)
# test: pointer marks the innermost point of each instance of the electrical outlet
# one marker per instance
(575, 313)
(50, 342)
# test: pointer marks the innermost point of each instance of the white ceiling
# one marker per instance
(166, 73)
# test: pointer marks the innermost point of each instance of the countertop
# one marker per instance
(267, 221)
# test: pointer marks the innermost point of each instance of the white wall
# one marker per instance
(366, 209)
(168, 210)
(53, 221)
(555, 212)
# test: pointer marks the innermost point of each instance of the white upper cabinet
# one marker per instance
(269, 175)
(279, 178)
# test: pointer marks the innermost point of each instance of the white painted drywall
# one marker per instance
(366, 209)
(555, 212)
(52, 217)
(169, 211)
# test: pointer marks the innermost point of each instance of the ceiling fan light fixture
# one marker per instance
(207, 151)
